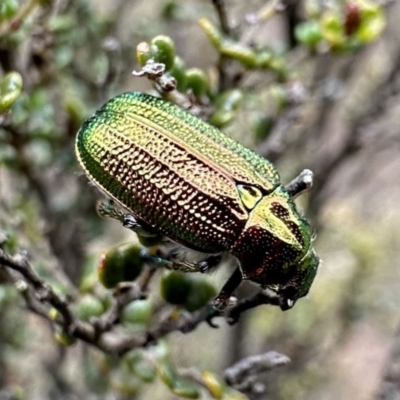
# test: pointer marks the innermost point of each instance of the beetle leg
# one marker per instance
(209, 263)
(221, 301)
(132, 223)
(108, 209)
(182, 266)
(202, 266)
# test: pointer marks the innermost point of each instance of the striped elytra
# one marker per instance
(196, 186)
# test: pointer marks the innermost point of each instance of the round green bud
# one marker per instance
(222, 118)
(202, 291)
(264, 58)
(309, 33)
(170, 9)
(145, 370)
(261, 126)
(372, 24)
(63, 338)
(10, 89)
(187, 290)
(178, 71)
(164, 51)
(225, 106)
(197, 81)
(8, 9)
(332, 29)
(137, 312)
(167, 372)
(120, 264)
(125, 383)
(143, 53)
(75, 109)
(89, 306)
(132, 357)
(175, 287)
(54, 314)
(229, 100)
(186, 388)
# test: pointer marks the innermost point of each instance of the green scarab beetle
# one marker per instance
(186, 180)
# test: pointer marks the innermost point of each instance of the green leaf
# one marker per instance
(10, 89)
(309, 33)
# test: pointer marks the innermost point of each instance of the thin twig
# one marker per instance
(223, 62)
(263, 297)
(220, 7)
(244, 374)
(37, 294)
(43, 291)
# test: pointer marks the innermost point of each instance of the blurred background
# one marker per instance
(307, 84)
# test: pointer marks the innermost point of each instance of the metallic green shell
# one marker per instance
(172, 170)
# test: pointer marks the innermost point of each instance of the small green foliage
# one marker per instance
(8, 8)
(140, 366)
(372, 22)
(332, 29)
(170, 9)
(239, 52)
(213, 33)
(75, 108)
(179, 385)
(63, 338)
(54, 314)
(119, 264)
(343, 29)
(250, 57)
(145, 370)
(187, 290)
(197, 81)
(201, 293)
(165, 50)
(215, 385)
(261, 126)
(309, 33)
(89, 306)
(125, 383)
(167, 372)
(10, 89)
(178, 71)
(186, 388)
(137, 312)
(143, 53)
(161, 50)
(175, 287)
(225, 106)
(218, 389)
(265, 58)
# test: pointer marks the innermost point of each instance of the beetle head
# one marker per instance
(275, 248)
(299, 281)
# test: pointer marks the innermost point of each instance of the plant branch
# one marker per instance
(22, 14)
(243, 375)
